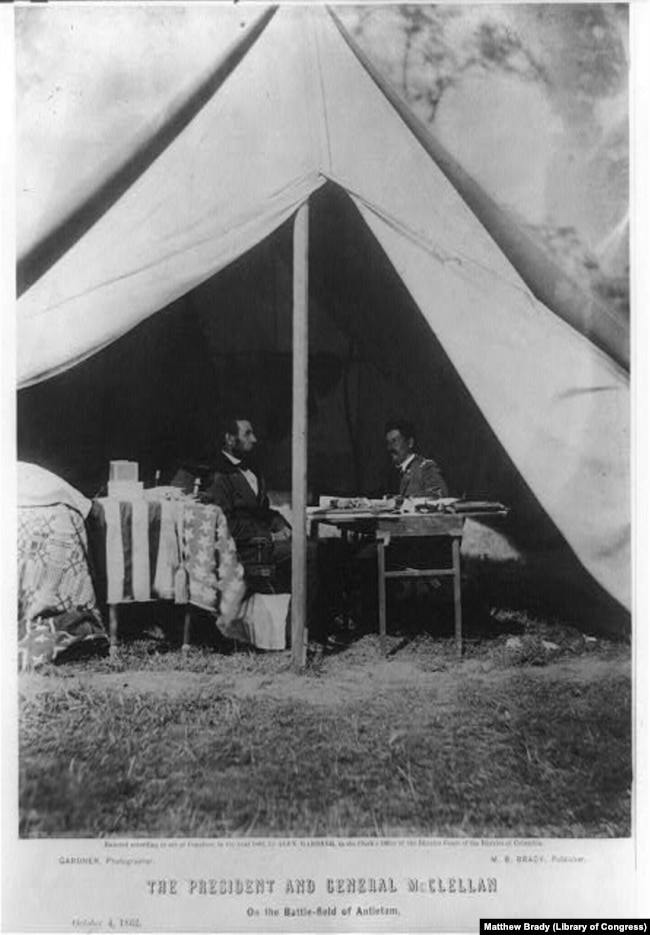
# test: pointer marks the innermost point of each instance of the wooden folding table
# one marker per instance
(385, 527)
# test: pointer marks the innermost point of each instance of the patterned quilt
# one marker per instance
(57, 609)
(139, 551)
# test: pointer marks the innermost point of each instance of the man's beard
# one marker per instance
(243, 456)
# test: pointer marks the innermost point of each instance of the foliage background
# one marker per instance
(532, 99)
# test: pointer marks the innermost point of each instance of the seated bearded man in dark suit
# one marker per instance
(262, 535)
(239, 488)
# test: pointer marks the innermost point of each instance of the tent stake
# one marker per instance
(299, 435)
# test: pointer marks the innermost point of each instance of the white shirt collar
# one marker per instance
(250, 476)
(405, 463)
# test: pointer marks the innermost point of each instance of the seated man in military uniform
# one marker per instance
(413, 475)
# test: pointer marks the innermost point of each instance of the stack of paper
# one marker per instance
(123, 483)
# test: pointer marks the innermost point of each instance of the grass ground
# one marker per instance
(528, 735)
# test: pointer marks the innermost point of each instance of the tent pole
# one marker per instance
(299, 435)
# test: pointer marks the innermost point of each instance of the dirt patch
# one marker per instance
(336, 682)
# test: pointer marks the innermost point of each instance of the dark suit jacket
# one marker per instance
(422, 478)
(249, 515)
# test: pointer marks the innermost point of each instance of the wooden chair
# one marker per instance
(259, 568)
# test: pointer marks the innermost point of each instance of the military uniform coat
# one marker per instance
(422, 478)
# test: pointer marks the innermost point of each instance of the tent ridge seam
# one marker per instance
(324, 127)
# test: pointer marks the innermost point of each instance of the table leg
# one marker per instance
(381, 584)
(113, 625)
(458, 613)
(187, 627)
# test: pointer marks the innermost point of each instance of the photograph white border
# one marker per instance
(44, 891)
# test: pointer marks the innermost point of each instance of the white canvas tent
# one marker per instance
(297, 111)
